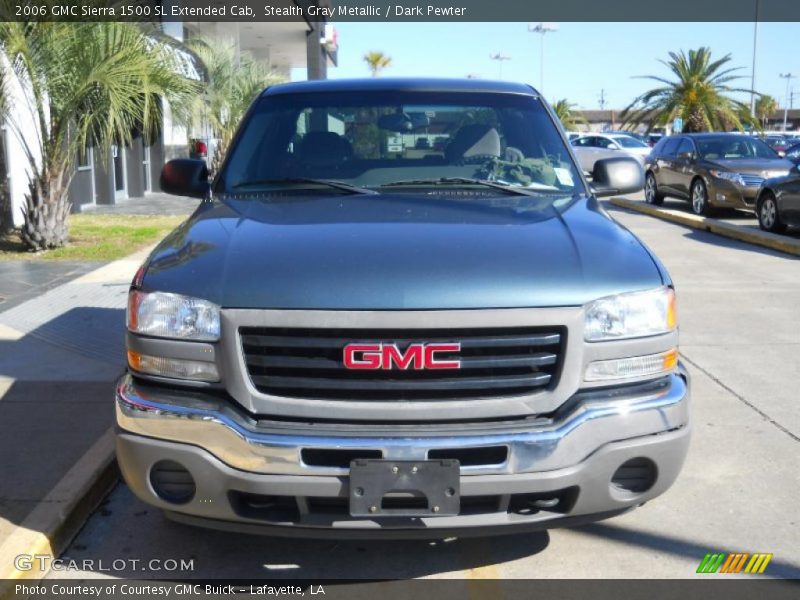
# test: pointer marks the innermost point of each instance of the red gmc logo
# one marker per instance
(390, 356)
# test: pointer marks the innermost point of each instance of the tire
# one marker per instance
(651, 193)
(768, 217)
(698, 198)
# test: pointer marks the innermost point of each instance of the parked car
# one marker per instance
(792, 153)
(778, 143)
(342, 342)
(778, 202)
(653, 139)
(711, 170)
(593, 147)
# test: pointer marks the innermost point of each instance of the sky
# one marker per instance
(580, 59)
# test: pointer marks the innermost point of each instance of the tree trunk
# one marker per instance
(219, 156)
(47, 209)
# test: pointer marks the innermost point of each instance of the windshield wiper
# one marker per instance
(509, 189)
(338, 185)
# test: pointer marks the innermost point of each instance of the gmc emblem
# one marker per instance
(389, 356)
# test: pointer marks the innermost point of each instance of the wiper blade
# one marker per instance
(331, 183)
(509, 189)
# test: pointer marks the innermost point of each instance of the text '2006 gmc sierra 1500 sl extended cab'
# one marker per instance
(356, 334)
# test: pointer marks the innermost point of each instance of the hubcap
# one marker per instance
(698, 198)
(768, 213)
(650, 189)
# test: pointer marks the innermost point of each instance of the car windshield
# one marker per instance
(371, 139)
(629, 142)
(734, 146)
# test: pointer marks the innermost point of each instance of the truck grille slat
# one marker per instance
(280, 341)
(309, 363)
(464, 383)
(470, 362)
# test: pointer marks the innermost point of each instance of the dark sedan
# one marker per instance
(711, 170)
(778, 203)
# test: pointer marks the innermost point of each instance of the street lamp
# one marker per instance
(788, 77)
(542, 29)
(753, 73)
(499, 57)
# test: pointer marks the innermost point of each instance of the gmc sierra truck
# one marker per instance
(357, 334)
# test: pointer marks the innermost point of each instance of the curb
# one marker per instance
(760, 238)
(55, 521)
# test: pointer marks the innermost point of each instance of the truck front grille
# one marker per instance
(309, 363)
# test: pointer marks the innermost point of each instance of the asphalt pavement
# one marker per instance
(738, 491)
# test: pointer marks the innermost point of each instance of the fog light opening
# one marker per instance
(635, 476)
(172, 482)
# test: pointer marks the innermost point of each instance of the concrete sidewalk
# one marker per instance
(60, 353)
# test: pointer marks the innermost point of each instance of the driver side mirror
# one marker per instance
(686, 155)
(611, 176)
(185, 177)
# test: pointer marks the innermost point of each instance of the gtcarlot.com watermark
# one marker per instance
(47, 562)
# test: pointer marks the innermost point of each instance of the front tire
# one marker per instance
(768, 217)
(699, 198)
(651, 193)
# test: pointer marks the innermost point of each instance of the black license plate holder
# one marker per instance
(415, 488)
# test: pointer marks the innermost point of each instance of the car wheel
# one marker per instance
(768, 217)
(651, 193)
(700, 205)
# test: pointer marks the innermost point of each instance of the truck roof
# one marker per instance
(410, 84)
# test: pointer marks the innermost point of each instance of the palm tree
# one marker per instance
(565, 112)
(377, 62)
(698, 94)
(83, 84)
(232, 80)
(765, 106)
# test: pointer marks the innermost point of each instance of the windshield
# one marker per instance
(629, 142)
(734, 146)
(371, 139)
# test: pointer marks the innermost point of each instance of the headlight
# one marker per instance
(633, 315)
(160, 314)
(727, 176)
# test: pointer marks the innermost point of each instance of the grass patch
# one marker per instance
(97, 237)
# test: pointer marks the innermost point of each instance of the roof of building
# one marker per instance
(401, 84)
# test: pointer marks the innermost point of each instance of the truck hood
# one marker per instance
(400, 251)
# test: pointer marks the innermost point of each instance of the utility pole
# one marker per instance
(753, 74)
(499, 57)
(788, 77)
(542, 29)
(602, 99)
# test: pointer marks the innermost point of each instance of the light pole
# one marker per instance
(753, 74)
(788, 77)
(499, 57)
(542, 29)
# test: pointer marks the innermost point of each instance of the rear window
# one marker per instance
(373, 138)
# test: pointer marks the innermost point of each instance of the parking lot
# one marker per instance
(738, 491)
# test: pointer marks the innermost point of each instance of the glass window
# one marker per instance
(602, 142)
(684, 147)
(733, 146)
(370, 139)
(629, 142)
(670, 147)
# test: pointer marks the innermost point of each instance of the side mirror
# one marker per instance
(185, 177)
(686, 155)
(622, 175)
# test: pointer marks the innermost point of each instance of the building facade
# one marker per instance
(132, 171)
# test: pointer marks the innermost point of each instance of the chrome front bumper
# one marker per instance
(270, 447)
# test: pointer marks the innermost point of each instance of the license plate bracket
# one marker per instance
(404, 488)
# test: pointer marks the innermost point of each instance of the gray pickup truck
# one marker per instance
(358, 335)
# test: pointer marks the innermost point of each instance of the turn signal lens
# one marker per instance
(173, 368)
(634, 367)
